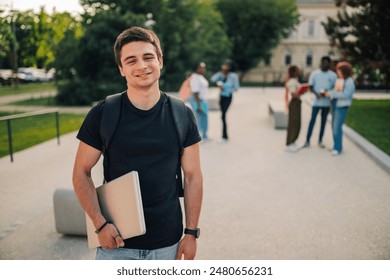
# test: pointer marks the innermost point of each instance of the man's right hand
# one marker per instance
(110, 238)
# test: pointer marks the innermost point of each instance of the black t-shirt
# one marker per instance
(147, 142)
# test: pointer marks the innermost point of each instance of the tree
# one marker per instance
(34, 35)
(67, 32)
(122, 6)
(95, 73)
(360, 31)
(7, 38)
(189, 31)
(5, 34)
(255, 27)
(26, 35)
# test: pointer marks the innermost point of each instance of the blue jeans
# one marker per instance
(338, 118)
(167, 253)
(314, 112)
(201, 118)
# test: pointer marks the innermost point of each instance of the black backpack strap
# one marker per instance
(111, 114)
(180, 119)
(110, 118)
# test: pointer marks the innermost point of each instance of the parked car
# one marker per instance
(31, 74)
(26, 75)
(5, 77)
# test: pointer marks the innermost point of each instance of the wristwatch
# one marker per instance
(194, 232)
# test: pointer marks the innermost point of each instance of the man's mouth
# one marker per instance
(143, 75)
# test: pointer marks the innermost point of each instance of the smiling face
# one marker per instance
(140, 65)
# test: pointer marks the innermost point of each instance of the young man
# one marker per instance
(145, 141)
(321, 80)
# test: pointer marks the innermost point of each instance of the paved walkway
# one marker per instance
(260, 202)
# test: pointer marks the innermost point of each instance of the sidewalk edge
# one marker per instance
(376, 154)
(380, 157)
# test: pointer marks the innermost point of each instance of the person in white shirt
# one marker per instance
(199, 88)
(294, 108)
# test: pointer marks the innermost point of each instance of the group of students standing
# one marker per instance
(226, 80)
(332, 92)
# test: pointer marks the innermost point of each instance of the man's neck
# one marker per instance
(144, 99)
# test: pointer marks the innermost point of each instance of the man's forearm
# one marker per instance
(86, 193)
(193, 193)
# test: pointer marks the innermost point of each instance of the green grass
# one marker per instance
(29, 131)
(45, 101)
(371, 119)
(27, 88)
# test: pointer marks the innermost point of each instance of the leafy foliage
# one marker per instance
(35, 36)
(360, 31)
(80, 48)
(6, 35)
(95, 74)
(189, 32)
(256, 27)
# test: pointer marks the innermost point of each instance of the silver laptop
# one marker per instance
(120, 202)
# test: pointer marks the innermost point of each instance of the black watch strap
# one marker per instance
(194, 232)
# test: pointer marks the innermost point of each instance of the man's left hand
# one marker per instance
(187, 248)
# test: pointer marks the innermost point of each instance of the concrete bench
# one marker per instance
(68, 214)
(213, 99)
(277, 110)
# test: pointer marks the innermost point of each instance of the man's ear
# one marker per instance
(161, 63)
(121, 71)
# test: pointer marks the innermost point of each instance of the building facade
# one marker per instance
(304, 47)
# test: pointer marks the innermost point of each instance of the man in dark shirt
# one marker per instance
(145, 140)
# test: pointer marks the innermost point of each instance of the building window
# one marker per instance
(267, 60)
(309, 59)
(311, 28)
(287, 59)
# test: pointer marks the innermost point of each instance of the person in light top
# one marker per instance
(341, 98)
(320, 80)
(228, 82)
(199, 88)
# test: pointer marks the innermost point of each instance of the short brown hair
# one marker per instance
(293, 71)
(135, 34)
(344, 68)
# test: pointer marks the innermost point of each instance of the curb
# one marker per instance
(376, 154)
(380, 157)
